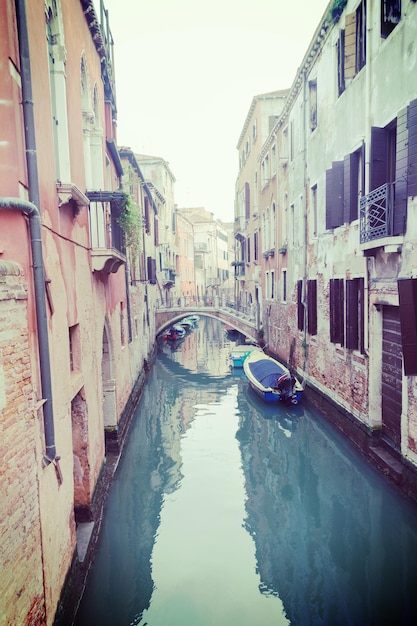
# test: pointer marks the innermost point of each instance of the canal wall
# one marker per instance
(88, 530)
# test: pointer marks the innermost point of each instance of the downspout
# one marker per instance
(305, 225)
(31, 210)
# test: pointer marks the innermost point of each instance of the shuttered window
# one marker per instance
(337, 301)
(412, 148)
(401, 173)
(147, 222)
(151, 270)
(312, 307)
(340, 49)
(355, 328)
(300, 305)
(247, 201)
(255, 246)
(156, 231)
(360, 36)
(353, 183)
(350, 45)
(407, 296)
(334, 195)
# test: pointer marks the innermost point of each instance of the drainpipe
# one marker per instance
(30, 209)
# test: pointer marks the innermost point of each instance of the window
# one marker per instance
(390, 16)
(247, 201)
(354, 183)
(312, 88)
(255, 246)
(407, 295)
(272, 284)
(334, 195)
(122, 324)
(355, 314)
(360, 36)
(355, 41)
(273, 160)
(340, 49)
(147, 219)
(312, 307)
(248, 247)
(74, 347)
(284, 285)
(292, 141)
(300, 305)
(314, 209)
(337, 321)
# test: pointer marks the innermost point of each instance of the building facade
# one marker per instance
(66, 368)
(337, 269)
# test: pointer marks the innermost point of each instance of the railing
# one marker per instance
(376, 213)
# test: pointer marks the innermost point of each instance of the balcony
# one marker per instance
(377, 218)
(107, 237)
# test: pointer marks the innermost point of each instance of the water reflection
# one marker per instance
(228, 511)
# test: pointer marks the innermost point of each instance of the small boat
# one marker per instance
(186, 323)
(175, 332)
(239, 353)
(194, 318)
(271, 380)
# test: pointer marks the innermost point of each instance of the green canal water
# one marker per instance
(227, 512)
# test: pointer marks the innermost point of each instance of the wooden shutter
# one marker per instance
(338, 193)
(334, 195)
(378, 169)
(352, 317)
(247, 201)
(407, 295)
(350, 45)
(337, 311)
(351, 191)
(312, 307)
(156, 231)
(151, 270)
(412, 148)
(300, 307)
(147, 224)
(401, 164)
(329, 197)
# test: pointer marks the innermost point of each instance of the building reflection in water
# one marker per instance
(226, 510)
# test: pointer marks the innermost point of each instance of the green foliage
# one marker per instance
(130, 221)
(336, 10)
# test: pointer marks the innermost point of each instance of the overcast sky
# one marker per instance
(186, 73)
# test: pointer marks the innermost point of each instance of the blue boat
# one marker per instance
(239, 353)
(271, 380)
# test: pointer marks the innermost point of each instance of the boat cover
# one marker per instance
(266, 372)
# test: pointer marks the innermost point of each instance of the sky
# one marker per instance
(186, 73)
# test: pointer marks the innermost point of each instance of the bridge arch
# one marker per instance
(164, 318)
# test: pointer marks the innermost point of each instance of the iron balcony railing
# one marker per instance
(376, 213)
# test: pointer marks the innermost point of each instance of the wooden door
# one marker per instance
(391, 380)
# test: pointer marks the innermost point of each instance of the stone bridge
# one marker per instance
(166, 316)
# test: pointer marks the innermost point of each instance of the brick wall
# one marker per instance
(21, 582)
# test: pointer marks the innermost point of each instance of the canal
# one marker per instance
(224, 511)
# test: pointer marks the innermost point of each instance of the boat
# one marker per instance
(186, 323)
(239, 353)
(174, 332)
(271, 380)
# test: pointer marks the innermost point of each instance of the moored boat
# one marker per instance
(271, 380)
(239, 353)
(174, 332)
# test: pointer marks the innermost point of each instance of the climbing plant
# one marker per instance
(130, 221)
